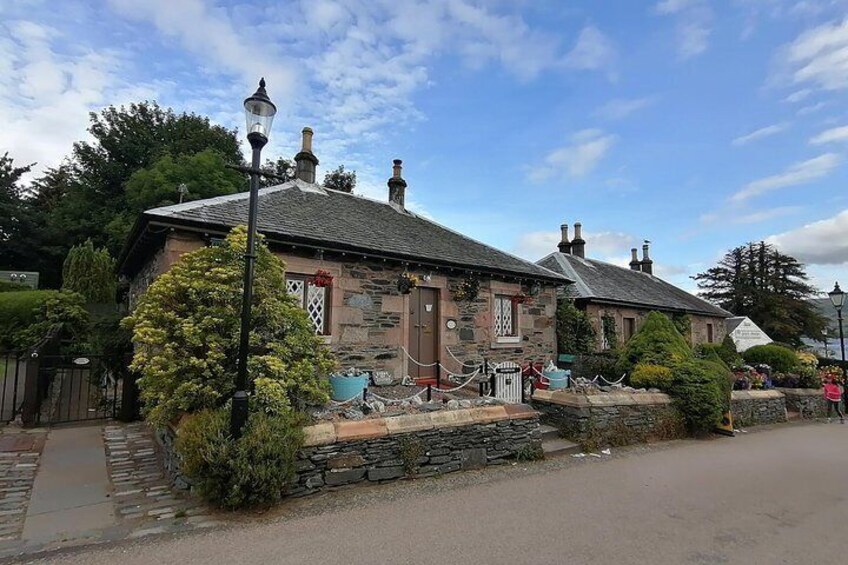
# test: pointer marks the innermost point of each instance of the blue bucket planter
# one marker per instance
(557, 379)
(344, 388)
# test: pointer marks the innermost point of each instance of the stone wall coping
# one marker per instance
(565, 398)
(755, 394)
(326, 433)
(800, 391)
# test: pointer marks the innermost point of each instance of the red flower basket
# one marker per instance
(322, 278)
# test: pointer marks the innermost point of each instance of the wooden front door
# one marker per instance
(423, 331)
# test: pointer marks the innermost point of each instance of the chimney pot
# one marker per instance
(635, 265)
(564, 245)
(305, 161)
(397, 186)
(646, 264)
(578, 244)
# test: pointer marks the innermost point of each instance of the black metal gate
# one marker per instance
(76, 388)
(13, 372)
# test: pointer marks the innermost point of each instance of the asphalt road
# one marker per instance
(772, 496)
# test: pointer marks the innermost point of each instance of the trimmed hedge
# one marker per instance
(27, 316)
(780, 358)
(17, 311)
(651, 376)
(700, 391)
(6, 286)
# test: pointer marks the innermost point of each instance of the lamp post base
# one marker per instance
(238, 416)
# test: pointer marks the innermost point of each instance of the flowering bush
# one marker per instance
(831, 372)
(406, 282)
(752, 378)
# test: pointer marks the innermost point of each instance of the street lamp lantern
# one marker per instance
(259, 112)
(837, 297)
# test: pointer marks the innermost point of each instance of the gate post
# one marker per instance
(32, 400)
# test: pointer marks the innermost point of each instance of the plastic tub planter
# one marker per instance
(557, 379)
(345, 387)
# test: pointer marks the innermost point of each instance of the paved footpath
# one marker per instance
(87, 485)
(770, 496)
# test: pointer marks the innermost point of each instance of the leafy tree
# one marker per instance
(575, 333)
(186, 331)
(15, 217)
(282, 169)
(341, 180)
(90, 272)
(205, 174)
(771, 288)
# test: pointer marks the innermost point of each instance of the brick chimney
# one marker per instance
(635, 265)
(564, 245)
(397, 186)
(578, 244)
(647, 264)
(306, 162)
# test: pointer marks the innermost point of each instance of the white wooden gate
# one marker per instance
(508, 381)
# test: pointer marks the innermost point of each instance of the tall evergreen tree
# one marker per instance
(771, 288)
(15, 216)
(91, 273)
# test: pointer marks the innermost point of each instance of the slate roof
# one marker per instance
(731, 324)
(604, 282)
(300, 212)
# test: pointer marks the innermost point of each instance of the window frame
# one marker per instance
(497, 302)
(629, 328)
(326, 331)
(710, 333)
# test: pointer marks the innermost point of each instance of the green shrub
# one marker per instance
(574, 331)
(591, 365)
(90, 272)
(698, 394)
(726, 351)
(254, 470)
(6, 286)
(651, 376)
(656, 343)
(186, 332)
(779, 358)
(27, 317)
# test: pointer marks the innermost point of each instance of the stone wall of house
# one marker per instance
(616, 419)
(369, 320)
(757, 407)
(699, 333)
(808, 402)
(386, 449)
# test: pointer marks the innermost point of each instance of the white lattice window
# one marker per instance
(504, 317)
(313, 299)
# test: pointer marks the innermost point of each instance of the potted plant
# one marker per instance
(322, 278)
(348, 385)
(406, 282)
(468, 289)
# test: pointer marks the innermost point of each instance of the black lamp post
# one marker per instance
(259, 111)
(837, 298)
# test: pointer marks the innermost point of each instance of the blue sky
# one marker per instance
(698, 125)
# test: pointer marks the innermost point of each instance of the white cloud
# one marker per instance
(593, 51)
(799, 173)
(46, 95)
(735, 217)
(576, 159)
(824, 242)
(760, 134)
(604, 245)
(620, 108)
(830, 136)
(818, 57)
(798, 95)
(810, 109)
(693, 24)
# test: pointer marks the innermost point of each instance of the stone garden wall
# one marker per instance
(757, 407)
(616, 419)
(386, 449)
(808, 402)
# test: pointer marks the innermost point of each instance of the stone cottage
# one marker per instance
(621, 298)
(471, 302)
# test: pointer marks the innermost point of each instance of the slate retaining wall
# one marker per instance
(757, 407)
(414, 445)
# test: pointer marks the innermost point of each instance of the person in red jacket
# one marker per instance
(833, 394)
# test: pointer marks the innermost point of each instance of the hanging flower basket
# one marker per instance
(467, 290)
(406, 282)
(322, 278)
